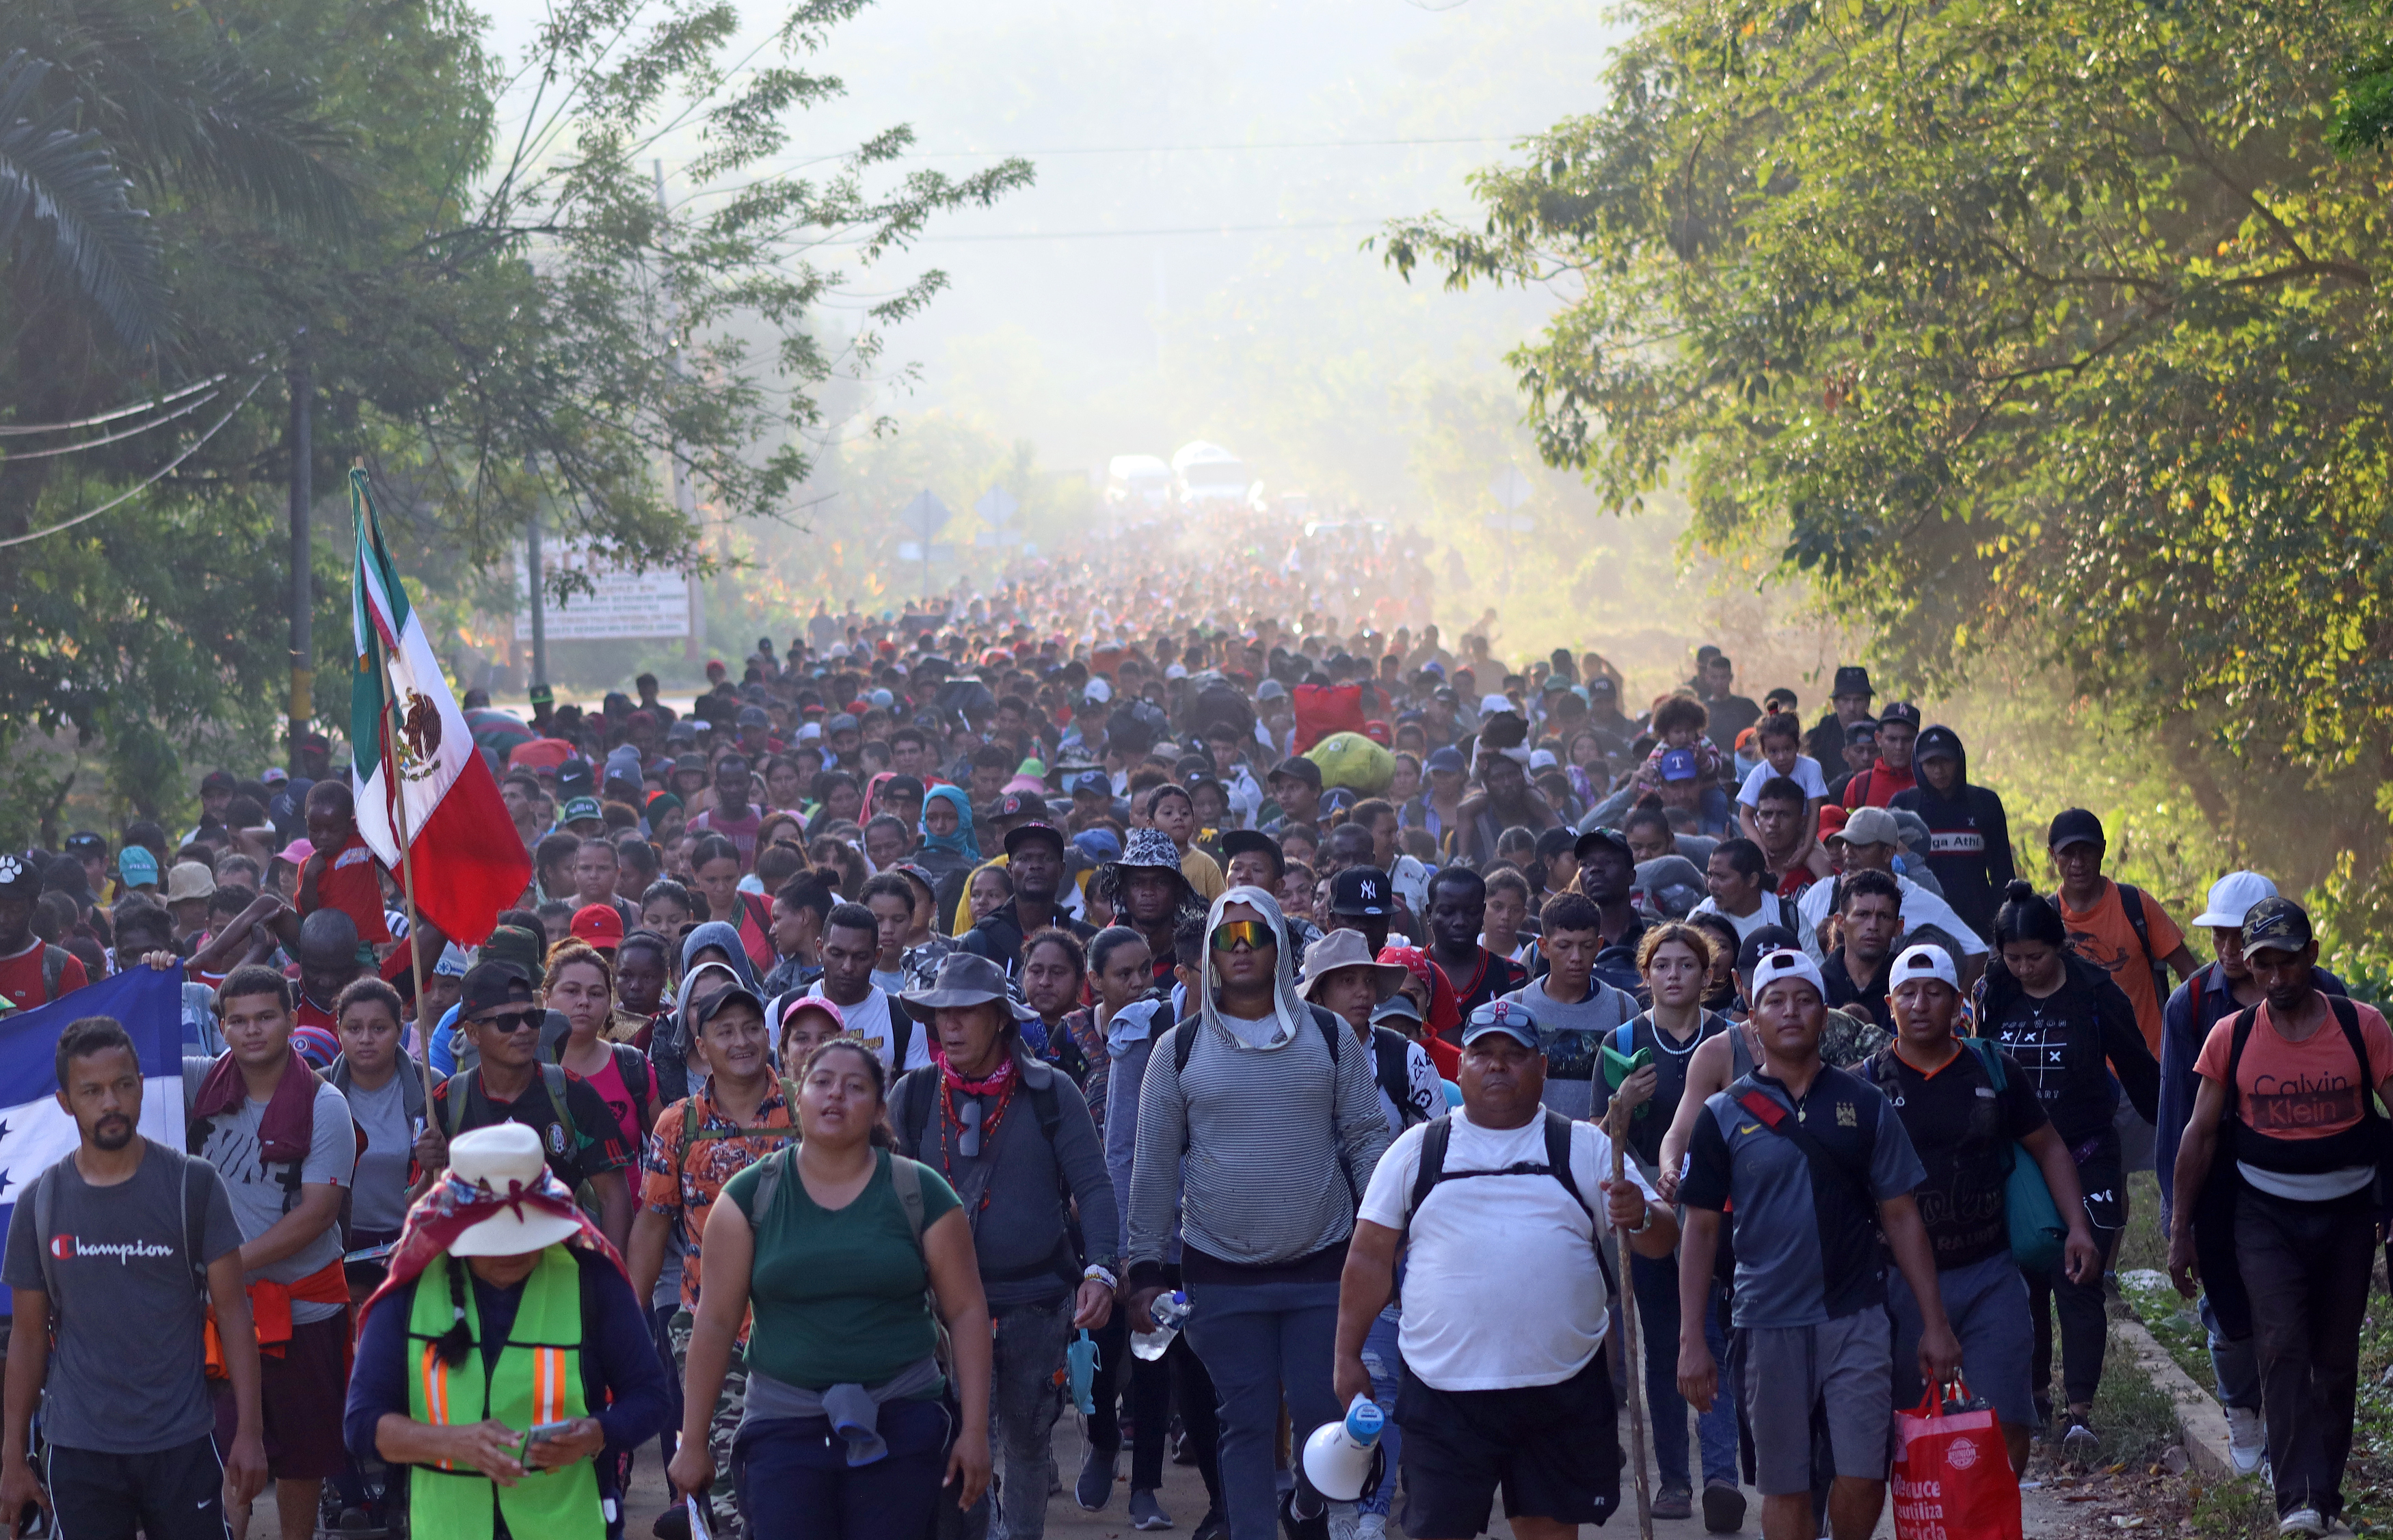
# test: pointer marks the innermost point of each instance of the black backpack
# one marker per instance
(1440, 1134)
(1332, 1028)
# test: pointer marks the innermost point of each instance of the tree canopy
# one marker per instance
(2055, 321)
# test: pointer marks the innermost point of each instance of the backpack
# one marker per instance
(2034, 1229)
(54, 968)
(46, 1202)
(1388, 1059)
(1440, 1134)
(552, 1080)
(906, 1177)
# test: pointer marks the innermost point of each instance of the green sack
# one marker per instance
(1619, 1066)
(1354, 761)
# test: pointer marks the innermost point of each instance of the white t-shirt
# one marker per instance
(1502, 1283)
(1764, 913)
(869, 1019)
(1806, 774)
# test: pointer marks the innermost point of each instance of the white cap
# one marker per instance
(453, 963)
(1786, 963)
(1097, 690)
(1542, 759)
(1177, 671)
(1490, 704)
(502, 1159)
(2231, 898)
(810, 732)
(1923, 962)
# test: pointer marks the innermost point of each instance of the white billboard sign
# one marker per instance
(655, 602)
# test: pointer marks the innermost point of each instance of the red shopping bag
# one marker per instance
(1952, 1477)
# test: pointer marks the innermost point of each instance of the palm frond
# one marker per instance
(66, 213)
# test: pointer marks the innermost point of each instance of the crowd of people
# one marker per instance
(1192, 1021)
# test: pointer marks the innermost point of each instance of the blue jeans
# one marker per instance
(2236, 1364)
(1386, 1366)
(1655, 1280)
(1261, 1341)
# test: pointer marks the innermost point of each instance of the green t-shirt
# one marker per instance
(838, 1292)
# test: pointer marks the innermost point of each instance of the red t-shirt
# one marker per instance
(1876, 787)
(351, 883)
(21, 977)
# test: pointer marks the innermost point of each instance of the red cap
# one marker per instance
(599, 925)
(1832, 820)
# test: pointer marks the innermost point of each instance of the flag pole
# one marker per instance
(1619, 1129)
(398, 794)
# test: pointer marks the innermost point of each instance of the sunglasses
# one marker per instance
(512, 1022)
(1253, 933)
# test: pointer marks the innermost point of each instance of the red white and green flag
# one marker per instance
(421, 771)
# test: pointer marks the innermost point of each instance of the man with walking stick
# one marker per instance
(1508, 1286)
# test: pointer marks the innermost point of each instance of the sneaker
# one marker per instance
(2247, 1439)
(673, 1523)
(1215, 1525)
(1095, 1487)
(1676, 1500)
(1146, 1513)
(1184, 1448)
(1723, 1508)
(2079, 1446)
(2302, 1521)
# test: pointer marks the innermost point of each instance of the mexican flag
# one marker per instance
(472, 864)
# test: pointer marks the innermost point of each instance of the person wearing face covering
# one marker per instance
(1273, 1113)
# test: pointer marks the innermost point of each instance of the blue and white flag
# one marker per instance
(35, 1132)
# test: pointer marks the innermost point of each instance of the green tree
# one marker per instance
(498, 319)
(2059, 323)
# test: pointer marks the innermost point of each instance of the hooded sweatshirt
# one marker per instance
(1969, 835)
(1277, 1122)
(668, 1046)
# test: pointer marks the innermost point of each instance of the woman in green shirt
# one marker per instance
(840, 1246)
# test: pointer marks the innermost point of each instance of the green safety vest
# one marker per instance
(537, 1379)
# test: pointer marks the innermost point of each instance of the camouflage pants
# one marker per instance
(729, 1407)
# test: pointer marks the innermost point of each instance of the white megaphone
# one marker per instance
(1342, 1458)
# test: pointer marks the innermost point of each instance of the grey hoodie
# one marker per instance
(1279, 1138)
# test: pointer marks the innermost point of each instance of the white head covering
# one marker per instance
(1289, 1005)
(1786, 963)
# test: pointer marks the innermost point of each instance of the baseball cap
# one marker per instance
(83, 841)
(1447, 759)
(2276, 925)
(1398, 1006)
(1788, 964)
(1602, 839)
(1872, 825)
(1899, 710)
(490, 984)
(1678, 765)
(453, 964)
(20, 881)
(1017, 804)
(1925, 963)
(1601, 683)
(1864, 731)
(135, 866)
(1296, 767)
(599, 925)
(1852, 680)
(2075, 827)
(1509, 1017)
(843, 722)
(1359, 891)
(754, 716)
(1237, 841)
(2231, 898)
(1092, 781)
(711, 1007)
(582, 807)
(1023, 834)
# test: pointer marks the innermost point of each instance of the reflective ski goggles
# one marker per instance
(1253, 933)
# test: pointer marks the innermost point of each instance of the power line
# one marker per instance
(15, 430)
(155, 476)
(1188, 229)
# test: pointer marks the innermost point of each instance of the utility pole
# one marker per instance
(684, 493)
(538, 600)
(303, 642)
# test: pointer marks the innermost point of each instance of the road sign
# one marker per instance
(1519, 524)
(995, 506)
(1509, 488)
(925, 516)
(912, 550)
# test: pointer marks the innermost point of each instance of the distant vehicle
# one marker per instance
(1138, 485)
(1209, 476)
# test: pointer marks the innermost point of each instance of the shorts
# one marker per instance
(1838, 1370)
(167, 1494)
(1553, 1449)
(301, 1396)
(1987, 1304)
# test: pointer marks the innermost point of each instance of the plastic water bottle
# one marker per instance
(1170, 1314)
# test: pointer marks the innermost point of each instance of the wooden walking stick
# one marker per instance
(1617, 1128)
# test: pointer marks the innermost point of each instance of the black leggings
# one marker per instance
(1154, 1387)
(2085, 1328)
